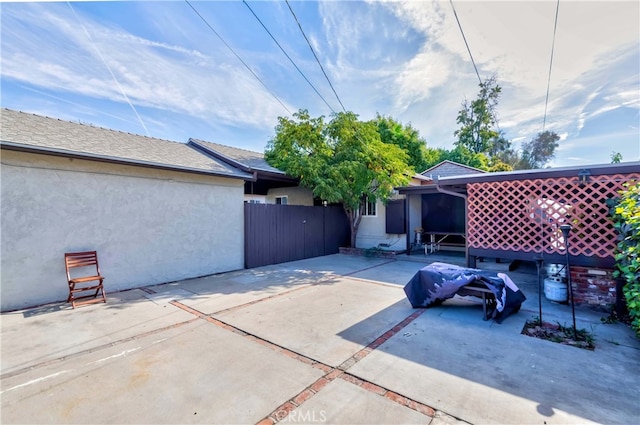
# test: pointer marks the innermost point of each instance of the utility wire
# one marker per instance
(465, 41)
(104, 61)
(287, 55)
(553, 44)
(238, 56)
(471, 56)
(315, 56)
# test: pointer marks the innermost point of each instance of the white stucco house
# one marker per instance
(382, 226)
(154, 210)
(381, 222)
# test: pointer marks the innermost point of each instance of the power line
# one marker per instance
(238, 56)
(553, 44)
(287, 55)
(104, 61)
(465, 41)
(315, 56)
(471, 56)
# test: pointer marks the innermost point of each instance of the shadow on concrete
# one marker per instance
(453, 340)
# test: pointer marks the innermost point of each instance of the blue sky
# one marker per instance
(155, 68)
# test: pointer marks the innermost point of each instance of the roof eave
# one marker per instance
(5, 145)
(217, 155)
(256, 171)
(458, 182)
(594, 170)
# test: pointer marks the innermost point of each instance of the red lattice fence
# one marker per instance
(525, 215)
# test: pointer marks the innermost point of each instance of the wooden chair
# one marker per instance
(86, 261)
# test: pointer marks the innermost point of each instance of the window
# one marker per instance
(254, 201)
(368, 207)
(282, 200)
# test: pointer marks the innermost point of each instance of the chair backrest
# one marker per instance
(81, 259)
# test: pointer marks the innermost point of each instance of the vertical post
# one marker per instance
(539, 267)
(407, 223)
(566, 228)
(324, 228)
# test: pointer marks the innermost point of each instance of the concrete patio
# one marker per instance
(325, 340)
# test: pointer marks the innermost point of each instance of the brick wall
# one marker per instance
(593, 287)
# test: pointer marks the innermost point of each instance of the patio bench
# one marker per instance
(434, 241)
(479, 290)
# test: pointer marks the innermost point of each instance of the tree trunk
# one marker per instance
(354, 224)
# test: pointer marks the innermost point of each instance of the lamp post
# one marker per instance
(566, 228)
(539, 262)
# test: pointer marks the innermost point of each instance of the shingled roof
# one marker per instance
(34, 133)
(244, 159)
(448, 168)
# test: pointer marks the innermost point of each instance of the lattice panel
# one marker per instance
(525, 215)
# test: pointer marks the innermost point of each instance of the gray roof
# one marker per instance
(449, 168)
(249, 160)
(459, 182)
(35, 133)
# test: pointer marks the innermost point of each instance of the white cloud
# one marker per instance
(513, 40)
(153, 74)
(406, 59)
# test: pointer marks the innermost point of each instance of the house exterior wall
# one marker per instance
(148, 226)
(415, 215)
(295, 195)
(259, 199)
(372, 232)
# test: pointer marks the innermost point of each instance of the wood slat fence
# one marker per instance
(280, 233)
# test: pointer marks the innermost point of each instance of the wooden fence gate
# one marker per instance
(279, 233)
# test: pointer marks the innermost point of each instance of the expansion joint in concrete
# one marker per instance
(94, 349)
(331, 373)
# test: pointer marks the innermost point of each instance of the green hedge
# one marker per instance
(625, 212)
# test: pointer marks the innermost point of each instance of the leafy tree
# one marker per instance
(342, 161)
(616, 157)
(462, 155)
(497, 165)
(406, 137)
(435, 156)
(498, 146)
(511, 158)
(539, 150)
(478, 119)
(459, 155)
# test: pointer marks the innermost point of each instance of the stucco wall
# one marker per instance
(372, 232)
(261, 199)
(149, 226)
(415, 215)
(296, 195)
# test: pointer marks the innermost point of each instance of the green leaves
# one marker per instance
(479, 134)
(625, 213)
(342, 161)
(540, 150)
(478, 119)
(407, 138)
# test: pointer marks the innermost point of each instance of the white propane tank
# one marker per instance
(557, 272)
(555, 291)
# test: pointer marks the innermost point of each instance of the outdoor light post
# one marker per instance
(539, 261)
(566, 228)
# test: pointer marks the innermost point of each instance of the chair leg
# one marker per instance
(484, 307)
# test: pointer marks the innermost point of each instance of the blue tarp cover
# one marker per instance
(437, 282)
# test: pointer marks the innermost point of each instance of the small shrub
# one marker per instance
(625, 213)
(372, 252)
(558, 333)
